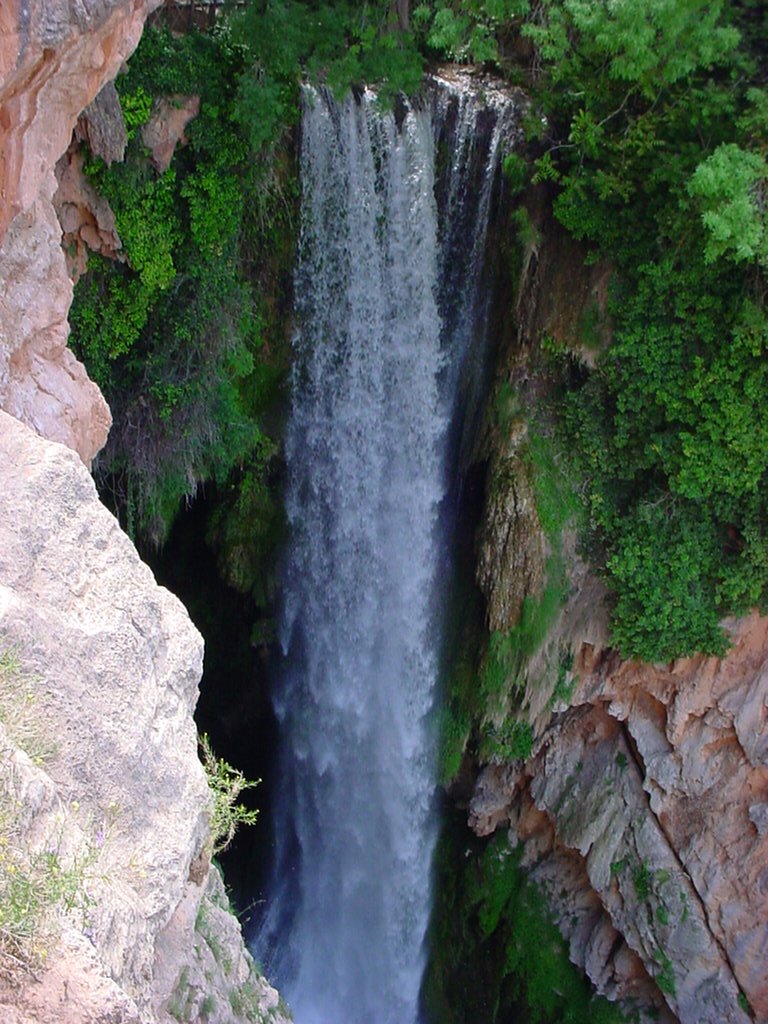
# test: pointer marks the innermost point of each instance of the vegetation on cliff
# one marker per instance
(187, 333)
(498, 954)
(182, 335)
(649, 129)
(648, 134)
(649, 126)
(37, 886)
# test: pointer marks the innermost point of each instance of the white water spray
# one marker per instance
(373, 393)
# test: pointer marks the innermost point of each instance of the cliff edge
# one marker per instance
(641, 811)
(55, 57)
(110, 912)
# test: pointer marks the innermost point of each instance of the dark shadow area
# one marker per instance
(234, 707)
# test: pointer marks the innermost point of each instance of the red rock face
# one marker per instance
(55, 56)
(165, 129)
(86, 218)
(53, 62)
(643, 814)
(699, 728)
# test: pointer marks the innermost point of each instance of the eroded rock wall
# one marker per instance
(104, 806)
(110, 663)
(55, 57)
(643, 810)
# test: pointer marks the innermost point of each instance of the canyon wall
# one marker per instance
(55, 57)
(643, 808)
(109, 909)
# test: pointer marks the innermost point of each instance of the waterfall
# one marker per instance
(386, 313)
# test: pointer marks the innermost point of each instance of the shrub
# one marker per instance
(226, 784)
(37, 886)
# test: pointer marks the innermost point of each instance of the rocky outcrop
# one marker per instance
(502, 800)
(41, 382)
(101, 126)
(86, 218)
(55, 57)
(642, 812)
(110, 785)
(698, 729)
(165, 129)
(206, 974)
(512, 552)
(51, 68)
(109, 913)
(649, 788)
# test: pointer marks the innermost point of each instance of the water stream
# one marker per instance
(389, 315)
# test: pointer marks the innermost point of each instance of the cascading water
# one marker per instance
(376, 367)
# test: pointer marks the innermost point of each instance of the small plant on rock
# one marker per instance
(226, 784)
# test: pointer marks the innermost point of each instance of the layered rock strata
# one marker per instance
(645, 801)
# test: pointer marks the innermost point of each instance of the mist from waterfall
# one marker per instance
(388, 314)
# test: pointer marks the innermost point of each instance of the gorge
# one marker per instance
(542, 369)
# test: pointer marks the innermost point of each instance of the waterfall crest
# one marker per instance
(383, 330)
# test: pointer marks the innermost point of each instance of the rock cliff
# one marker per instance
(643, 808)
(55, 57)
(107, 788)
(109, 911)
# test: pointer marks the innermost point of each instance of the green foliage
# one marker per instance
(187, 335)
(247, 525)
(512, 741)
(516, 172)
(137, 106)
(507, 652)
(649, 128)
(556, 501)
(655, 156)
(641, 46)
(246, 1000)
(226, 784)
(21, 715)
(455, 730)
(38, 886)
(731, 188)
(175, 334)
(340, 44)
(466, 31)
(182, 999)
(492, 917)
(672, 435)
(664, 608)
(641, 879)
(665, 976)
(564, 684)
